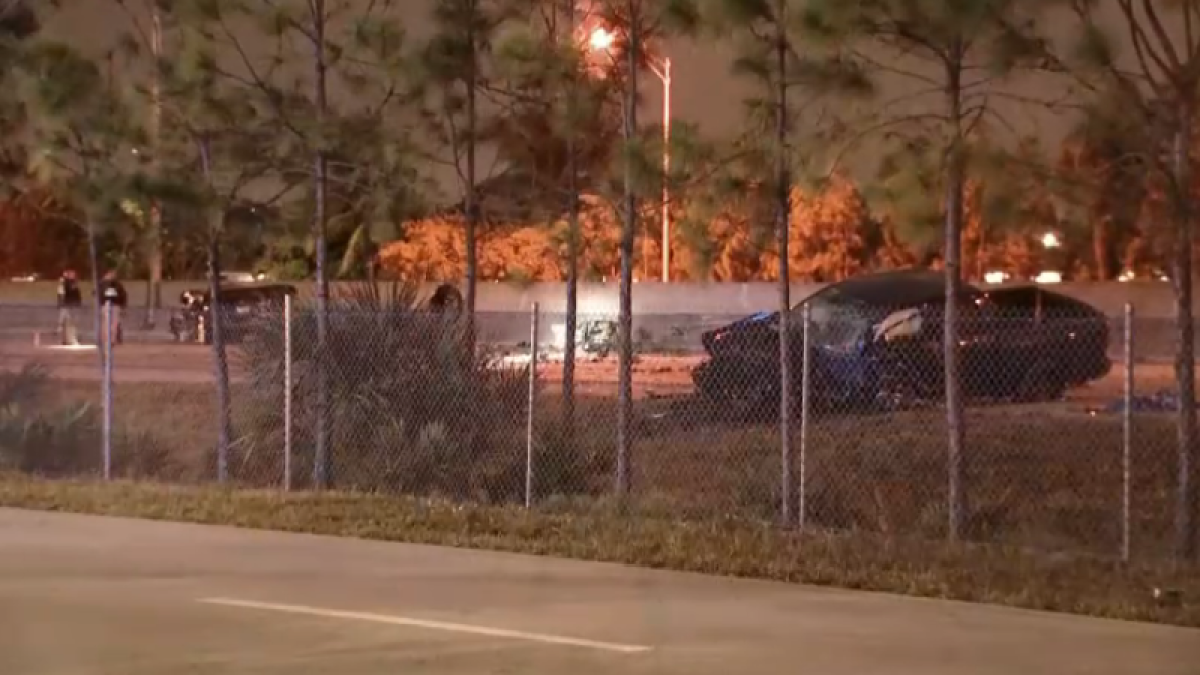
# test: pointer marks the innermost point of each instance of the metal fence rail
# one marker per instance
(1070, 441)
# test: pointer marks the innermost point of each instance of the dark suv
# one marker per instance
(880, 336)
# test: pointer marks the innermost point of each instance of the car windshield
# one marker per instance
(837, 323)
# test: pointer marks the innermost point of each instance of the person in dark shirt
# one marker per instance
(446, 300)
(112, 293)
(70, 299)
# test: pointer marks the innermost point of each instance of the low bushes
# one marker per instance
(413, 409)
(47, 438)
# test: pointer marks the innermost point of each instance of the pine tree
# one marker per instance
(1157, 94)
(631, 29)
(958, 49)
(765, 37)
(345, 44)
(556, 135)
(19, 21)
(218, 144)
(1101, 175)
(82, 136)
(454, 66)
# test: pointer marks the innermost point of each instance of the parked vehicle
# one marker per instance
(241, 303)
(879, 337)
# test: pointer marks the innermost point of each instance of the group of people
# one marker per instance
(70, 301)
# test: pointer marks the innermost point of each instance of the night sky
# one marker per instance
(704, 90)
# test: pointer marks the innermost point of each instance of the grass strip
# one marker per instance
(986, 574)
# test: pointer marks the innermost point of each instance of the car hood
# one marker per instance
(741, 334)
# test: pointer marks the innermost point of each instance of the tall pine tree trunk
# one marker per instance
(1101, 249)
(628, 229)
(216, 225)
(155, 254)
(322, 458)
(94, 263)
(219, 352)
(571, 321)
(782, 231)
(1185, 358)
(955, 185)
(154, 266)
(471, 202)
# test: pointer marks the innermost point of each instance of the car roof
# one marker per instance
(892, 289)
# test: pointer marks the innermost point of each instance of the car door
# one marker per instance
(909, 345)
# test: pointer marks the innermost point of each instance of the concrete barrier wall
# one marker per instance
(1151, 299)
(667, 318)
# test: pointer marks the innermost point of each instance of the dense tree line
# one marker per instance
(210, 137)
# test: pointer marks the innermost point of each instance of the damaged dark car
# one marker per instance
(878, 339)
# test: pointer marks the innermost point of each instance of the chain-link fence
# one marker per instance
(1067, 439)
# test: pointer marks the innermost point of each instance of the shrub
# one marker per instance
(38, 436)
(412, 408)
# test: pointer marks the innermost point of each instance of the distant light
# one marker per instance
(1048, 278)
(1050, 240)
(601, 39)
(995, 277)
(1127, 275)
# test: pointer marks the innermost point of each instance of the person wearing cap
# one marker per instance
(113, 294)
(70, 299)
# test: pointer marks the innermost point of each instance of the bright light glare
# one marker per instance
(1048, 278)
(1050, 240)
(601, 39)
(1127, 275)
(995, 277)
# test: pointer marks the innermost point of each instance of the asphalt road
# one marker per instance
(82, 595)
(171, 363)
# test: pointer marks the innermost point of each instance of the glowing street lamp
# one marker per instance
(1050, 240)
(602, 40)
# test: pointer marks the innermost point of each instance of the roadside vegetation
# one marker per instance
(991, 574)
(1044, 535)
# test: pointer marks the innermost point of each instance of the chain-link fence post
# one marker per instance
(805, 412)
(533, 361)
(287, 393)
(1127, 436)
(106, 345)
(785, 417)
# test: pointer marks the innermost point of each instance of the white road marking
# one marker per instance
(430, 625)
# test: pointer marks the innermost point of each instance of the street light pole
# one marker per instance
(666, 199)
(601, 40)
(664, 74)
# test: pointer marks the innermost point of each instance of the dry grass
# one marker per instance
(1046, 477)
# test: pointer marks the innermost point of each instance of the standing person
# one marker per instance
(70, 299)
(112, 293)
